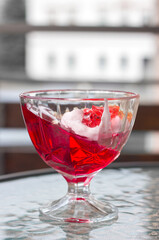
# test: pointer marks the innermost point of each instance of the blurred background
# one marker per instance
(48, 44)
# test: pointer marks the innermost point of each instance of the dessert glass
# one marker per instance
(78, 133)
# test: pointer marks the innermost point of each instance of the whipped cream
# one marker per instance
(73, 121)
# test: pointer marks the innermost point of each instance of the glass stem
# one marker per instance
(79, 191)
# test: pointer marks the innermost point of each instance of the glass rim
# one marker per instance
(28, 96)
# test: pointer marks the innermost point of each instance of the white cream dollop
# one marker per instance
(73, 120)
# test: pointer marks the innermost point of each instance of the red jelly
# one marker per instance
(66, 151)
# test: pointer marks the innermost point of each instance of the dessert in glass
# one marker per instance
(78, 133)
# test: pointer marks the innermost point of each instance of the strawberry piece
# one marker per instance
(129, 116)
(92, 117)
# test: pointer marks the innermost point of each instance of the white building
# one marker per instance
(105, 56)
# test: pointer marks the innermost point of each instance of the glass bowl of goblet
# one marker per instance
(78, 133)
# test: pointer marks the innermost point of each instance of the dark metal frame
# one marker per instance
(31, 173)
(46, 171)
(21, 28)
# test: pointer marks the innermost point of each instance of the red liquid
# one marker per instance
(65, 151)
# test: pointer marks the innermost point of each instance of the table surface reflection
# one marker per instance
(135, 191)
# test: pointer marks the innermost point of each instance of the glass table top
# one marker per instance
(134, 191)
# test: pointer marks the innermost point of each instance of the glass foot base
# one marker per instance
(82, 210)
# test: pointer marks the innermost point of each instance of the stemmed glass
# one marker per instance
(78, 133)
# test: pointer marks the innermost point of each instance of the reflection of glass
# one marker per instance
(51, 60)
(71, 61)
(78, 133)
(102, 61)
(102, 15)
(51, 12)
(123, 62)
(147, 67)
(72, 15)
